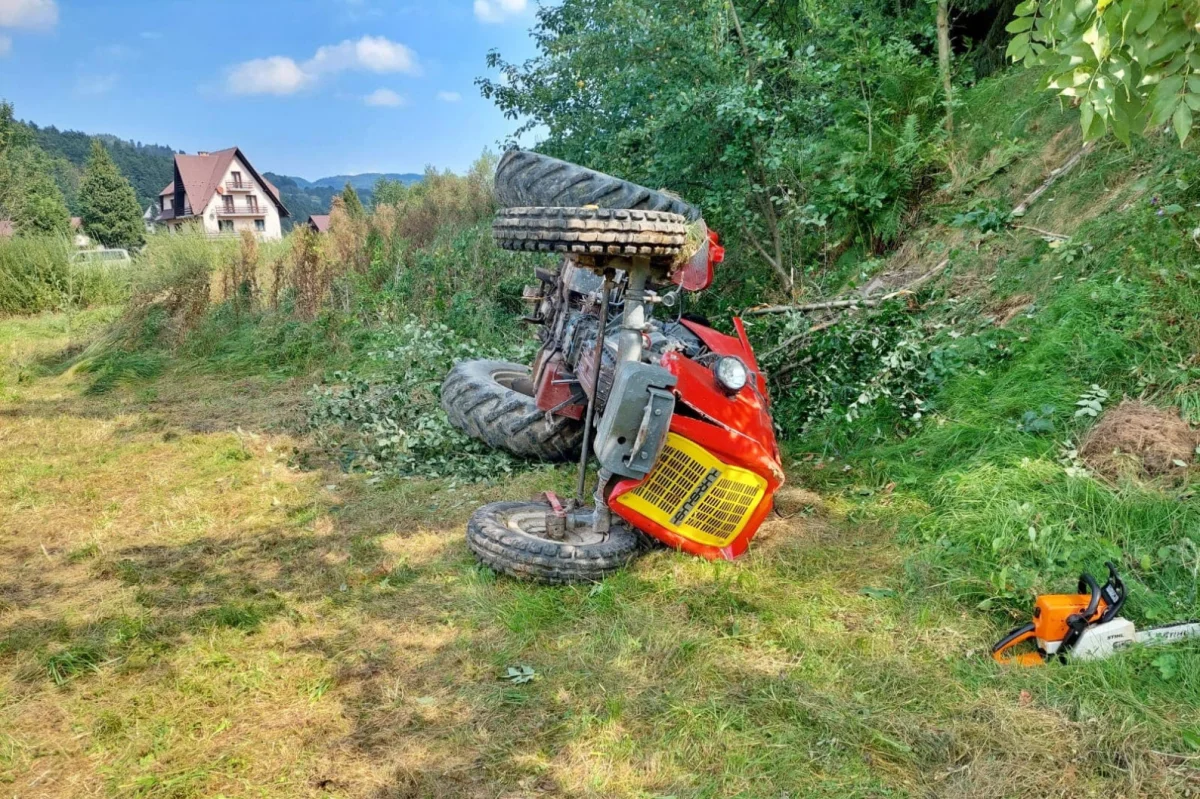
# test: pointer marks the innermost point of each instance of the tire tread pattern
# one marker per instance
(525, 179)
(504, 418)
(590, 231)
(527, 557)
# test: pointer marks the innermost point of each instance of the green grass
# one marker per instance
(36, 275)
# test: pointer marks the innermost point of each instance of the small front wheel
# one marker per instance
(511, 537)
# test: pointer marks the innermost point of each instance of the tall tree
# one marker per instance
(36, 204)
(354, 206)
(109, 205)
(389, 192)
(802, 129)
(943, 36)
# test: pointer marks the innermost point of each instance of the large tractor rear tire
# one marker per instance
(525, 179)
(493, 401)
(591, 231)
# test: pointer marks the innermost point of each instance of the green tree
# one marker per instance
(37, 205)
(109, 206)
(1132, 64)
(389, 192)
(354, 206)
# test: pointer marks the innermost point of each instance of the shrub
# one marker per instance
(36, 274)
(440, 200)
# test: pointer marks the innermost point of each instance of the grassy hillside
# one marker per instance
(241, 567)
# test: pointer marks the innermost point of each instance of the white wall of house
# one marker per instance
(272, 228)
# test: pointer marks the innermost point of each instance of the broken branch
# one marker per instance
(831, 305)
(1047, 234)
(1055, 174)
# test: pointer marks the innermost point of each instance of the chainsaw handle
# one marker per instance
(1114, 594)
(1017, 636)
(1088, 585)
(1078, 622)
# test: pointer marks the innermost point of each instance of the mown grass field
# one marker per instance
(185, 612)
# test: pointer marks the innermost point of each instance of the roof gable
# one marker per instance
(202, 176)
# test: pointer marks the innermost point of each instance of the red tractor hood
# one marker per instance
(746, 414)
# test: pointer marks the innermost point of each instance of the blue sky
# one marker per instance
(304, 87)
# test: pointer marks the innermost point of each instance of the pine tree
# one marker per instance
(109, 205)
(354, 206)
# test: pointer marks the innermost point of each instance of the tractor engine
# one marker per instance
(567, 306)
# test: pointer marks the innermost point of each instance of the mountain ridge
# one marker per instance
(362, 181)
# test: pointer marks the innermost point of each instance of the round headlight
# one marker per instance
(732, 374)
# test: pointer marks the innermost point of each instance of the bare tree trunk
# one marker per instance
(943, 31)
(789, 277)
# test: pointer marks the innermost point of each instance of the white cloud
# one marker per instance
(283, 75)
(371, 53)
(96, 85)
(32, 14)
(384, 98)
(449, 97)
(274, 75)
(5, 46)
(494, 11)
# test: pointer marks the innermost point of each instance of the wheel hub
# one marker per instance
(532, 522)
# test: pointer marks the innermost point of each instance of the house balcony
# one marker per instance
(239, 185)
(170, 214)
(234, 209)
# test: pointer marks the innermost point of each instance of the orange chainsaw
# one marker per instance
(1084, 625)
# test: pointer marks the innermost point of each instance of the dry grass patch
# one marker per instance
(1136, 439)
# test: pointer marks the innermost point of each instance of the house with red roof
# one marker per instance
(223, 194)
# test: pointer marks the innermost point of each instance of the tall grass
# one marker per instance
(36, 274)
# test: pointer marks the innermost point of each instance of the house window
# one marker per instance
(236, 178)
(228, 204)
(252, 202)
(260, 225)
(225, 226)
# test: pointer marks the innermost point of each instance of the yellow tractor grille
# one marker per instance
(696, 495)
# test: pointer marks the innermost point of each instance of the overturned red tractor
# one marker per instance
(676, 413)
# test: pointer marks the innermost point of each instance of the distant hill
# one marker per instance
(302, 198)
(363, 182)
(306, 197)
